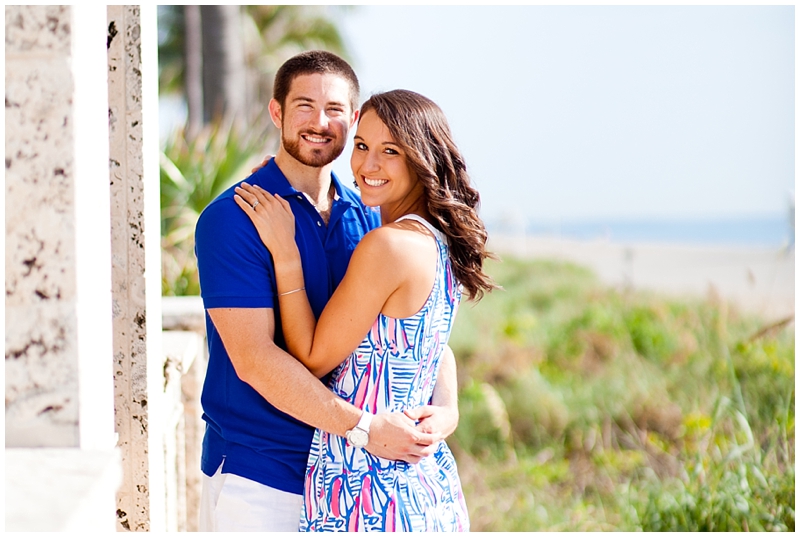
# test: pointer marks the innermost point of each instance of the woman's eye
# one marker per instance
(391, 151)
(361, 146)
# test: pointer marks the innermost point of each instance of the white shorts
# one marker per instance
(233, 503)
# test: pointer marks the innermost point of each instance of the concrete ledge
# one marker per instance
(61, 489)
(183, 313)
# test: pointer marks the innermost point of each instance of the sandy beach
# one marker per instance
(756, 279)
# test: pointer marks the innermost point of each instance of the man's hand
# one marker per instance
(393, 436)
(439, 421)
(264, 163)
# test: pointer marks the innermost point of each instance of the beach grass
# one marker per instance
(589, 408)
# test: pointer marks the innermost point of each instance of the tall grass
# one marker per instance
(585, 408)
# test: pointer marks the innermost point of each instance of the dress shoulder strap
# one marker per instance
(436, 233)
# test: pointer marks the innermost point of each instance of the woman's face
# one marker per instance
(381, 169)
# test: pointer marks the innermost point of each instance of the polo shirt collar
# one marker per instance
(283, 188)
(280, 185)
(341, 192)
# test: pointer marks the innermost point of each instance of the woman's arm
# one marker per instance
(273, 218)
(376, 270)
(440, 417)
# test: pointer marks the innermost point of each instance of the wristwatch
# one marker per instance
(358, 436)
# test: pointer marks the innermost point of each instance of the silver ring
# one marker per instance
(255, 205)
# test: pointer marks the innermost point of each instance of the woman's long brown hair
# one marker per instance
(419, 126)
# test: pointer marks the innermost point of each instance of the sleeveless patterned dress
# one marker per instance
(394, 368)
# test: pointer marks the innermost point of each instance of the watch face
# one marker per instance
(357, 437)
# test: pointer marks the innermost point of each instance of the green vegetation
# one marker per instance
(194, 171)
(584, 408)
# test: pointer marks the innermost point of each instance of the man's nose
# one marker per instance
(320, 119)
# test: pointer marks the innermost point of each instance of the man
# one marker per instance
(260, 404)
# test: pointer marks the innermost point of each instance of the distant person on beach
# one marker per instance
(384, 331)
(260, 405)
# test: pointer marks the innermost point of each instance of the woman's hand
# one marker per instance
(272, 217)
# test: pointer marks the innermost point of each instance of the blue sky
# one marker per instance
(593, 112)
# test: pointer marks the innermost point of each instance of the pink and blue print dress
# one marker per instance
(394, 368)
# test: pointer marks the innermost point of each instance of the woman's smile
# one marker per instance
(375, 182)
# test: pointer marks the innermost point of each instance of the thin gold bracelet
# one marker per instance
(292, 291)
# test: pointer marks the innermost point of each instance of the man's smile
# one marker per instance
(316, 139)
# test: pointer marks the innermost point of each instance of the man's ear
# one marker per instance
(355, 118)
(275, 113)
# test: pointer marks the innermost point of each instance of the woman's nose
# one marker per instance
(371, 162)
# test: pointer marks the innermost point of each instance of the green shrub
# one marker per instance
(536, 412)
(483, 428)
(650, 333)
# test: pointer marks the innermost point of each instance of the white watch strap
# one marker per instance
(365, 421)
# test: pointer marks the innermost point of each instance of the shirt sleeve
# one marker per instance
(234, 266)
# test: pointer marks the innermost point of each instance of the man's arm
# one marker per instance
(247, 334)
(440, 418)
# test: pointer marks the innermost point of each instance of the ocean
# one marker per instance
(769, 231)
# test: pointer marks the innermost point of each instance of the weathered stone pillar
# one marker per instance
(41, 324)
(136, 277)
(58, 329)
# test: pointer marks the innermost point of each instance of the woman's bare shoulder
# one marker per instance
(395, 240)
(395, 252)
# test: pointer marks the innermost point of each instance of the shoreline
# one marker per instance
(757, 279)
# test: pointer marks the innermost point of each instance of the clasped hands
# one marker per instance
(411, 435)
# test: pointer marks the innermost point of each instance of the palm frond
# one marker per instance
(194, 171)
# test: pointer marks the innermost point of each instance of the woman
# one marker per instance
(385, 328)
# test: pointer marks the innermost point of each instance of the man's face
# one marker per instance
(315, 118)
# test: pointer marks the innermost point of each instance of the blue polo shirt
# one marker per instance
(256, 440)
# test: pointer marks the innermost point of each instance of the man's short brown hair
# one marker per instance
(313, 62)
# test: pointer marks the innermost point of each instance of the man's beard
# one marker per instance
(315, 158)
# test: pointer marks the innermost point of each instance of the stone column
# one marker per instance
(41, 325)
(58, 330)
(138, 362)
